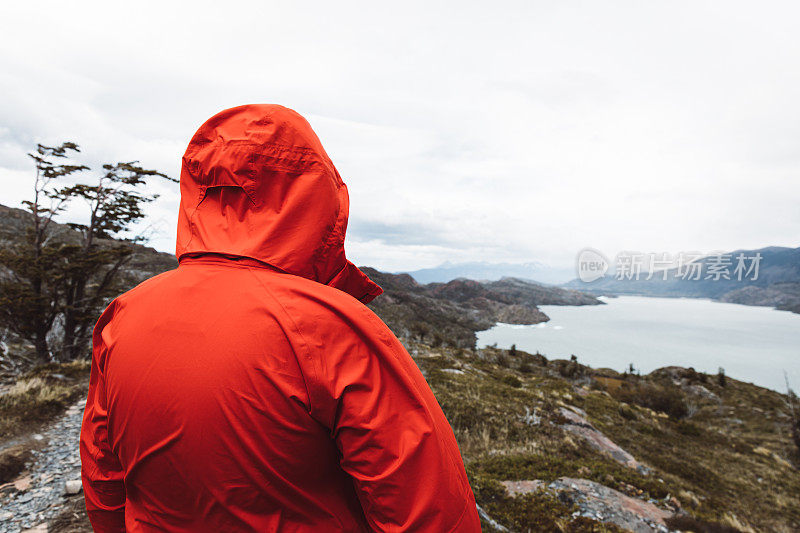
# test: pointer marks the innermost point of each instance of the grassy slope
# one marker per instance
(729, 462)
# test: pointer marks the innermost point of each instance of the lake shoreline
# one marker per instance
(751, 343)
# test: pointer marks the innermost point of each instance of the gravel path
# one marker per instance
(40, 495)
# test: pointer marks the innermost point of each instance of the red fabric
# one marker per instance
(249, 389)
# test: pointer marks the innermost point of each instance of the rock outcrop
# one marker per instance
(599, 502)
(577, 424)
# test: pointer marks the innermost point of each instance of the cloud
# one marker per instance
(524, 131)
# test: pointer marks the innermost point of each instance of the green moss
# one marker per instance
(687, 428)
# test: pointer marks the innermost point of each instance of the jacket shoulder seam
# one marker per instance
(296, 329)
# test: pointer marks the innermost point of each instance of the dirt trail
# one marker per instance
(40, 493)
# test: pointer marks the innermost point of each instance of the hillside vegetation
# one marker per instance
(715, 453)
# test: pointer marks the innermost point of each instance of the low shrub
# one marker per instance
(512, 381)
(502, 360)
(662, 398)
(625, 411)
(569, 369)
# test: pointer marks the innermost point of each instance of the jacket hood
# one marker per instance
(256, 182)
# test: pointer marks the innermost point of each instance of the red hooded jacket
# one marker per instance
(250, 389)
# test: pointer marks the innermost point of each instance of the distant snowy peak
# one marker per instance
(484, 270)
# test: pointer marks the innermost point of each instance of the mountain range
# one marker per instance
(777, 283)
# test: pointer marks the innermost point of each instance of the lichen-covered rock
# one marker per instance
(599, 502)
(578, 425)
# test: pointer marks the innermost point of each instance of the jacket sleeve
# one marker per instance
(394, 439)
(100, 469)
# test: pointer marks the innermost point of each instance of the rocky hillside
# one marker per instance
(450, 313)
(144, 263)
(784, 296)
(557, 446)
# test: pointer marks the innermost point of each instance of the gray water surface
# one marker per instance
(754, 344)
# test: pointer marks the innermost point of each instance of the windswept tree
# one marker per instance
(31, 291)
(58, 277)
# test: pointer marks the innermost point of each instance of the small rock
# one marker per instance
(22, 484)
(531, 418)
(73, 486)
(517, 488)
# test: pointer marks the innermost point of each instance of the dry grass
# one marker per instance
(41, 395)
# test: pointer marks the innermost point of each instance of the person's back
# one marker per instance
(247, 390)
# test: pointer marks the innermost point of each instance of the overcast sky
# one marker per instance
(496, 131)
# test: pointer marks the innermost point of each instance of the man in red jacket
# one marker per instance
(250, 389)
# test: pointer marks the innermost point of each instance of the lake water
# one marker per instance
(754, 344)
